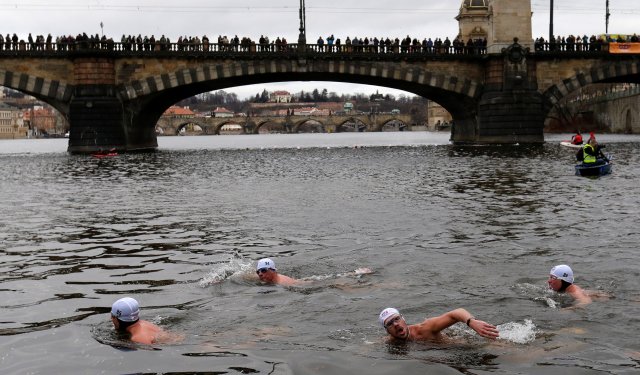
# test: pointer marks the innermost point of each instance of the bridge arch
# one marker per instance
(53, 92)
(353, 119)
(628, 118)
(384, 123)
(457, 94)
(175, 127)
(607, 72)
(298, 124)
(281, 123)
(217, 128)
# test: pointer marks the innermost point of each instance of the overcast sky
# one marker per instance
(273, 18)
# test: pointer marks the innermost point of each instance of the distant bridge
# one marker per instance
(113, 97)
(376, 122)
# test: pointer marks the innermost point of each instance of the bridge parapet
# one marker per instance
(202, 49)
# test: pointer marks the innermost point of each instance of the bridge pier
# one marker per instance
(510, 116)
(510, 109)
(100, 121)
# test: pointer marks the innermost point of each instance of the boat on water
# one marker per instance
(594, 169)
(570, 145)
(105, 154)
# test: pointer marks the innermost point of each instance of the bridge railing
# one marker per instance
(597, 46)
(23, 48)
(214, 49)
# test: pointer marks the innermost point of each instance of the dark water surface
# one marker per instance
(442, 226)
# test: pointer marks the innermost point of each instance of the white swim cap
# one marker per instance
(126, 309)
(562, 272)
(266, 263)
(387, 313)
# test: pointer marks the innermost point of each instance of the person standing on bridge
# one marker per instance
(430, 329)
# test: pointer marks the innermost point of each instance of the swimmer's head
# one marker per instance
(126, 310)
(266, 263)
(394, 323)
(562, 272)
(387, 314)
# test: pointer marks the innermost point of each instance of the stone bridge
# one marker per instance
(376, 122)
(113, 96)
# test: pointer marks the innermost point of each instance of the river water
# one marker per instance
(441, 226)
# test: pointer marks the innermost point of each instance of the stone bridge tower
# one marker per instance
(473, 20)
(510, 108)
(509, 19)
(499, 21)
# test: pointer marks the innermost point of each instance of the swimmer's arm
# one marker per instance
(356, 272)
(437, 324)
(362, 271)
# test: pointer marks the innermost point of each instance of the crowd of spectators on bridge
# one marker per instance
(330, 44)
(245, 44)
(405, 45)
(579, 43)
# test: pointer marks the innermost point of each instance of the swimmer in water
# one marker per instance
(268, 274)
(125, 317)
(430, 330)
(561, 281)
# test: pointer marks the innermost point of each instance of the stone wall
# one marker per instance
(509, 19)
(619, 115)
(94, 71)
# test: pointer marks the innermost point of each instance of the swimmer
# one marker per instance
(430, 329)
(561, 281)
(125, 317)
(268, 274)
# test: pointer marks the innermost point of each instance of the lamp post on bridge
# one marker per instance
(551, 25)
(606, 16)
(302, 38)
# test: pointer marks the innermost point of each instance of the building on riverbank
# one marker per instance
(12, 123)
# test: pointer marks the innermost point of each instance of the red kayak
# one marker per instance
(105, 154)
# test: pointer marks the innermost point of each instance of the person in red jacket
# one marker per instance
(577, 139)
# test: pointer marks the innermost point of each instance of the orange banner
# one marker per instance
(624, 47)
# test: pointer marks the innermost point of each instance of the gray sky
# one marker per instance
(273, 18)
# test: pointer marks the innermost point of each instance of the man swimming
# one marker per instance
(395, 325)
(268, 274)
(125, 317)
(561, 281)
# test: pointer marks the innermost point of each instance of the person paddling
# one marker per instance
(577, 138)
